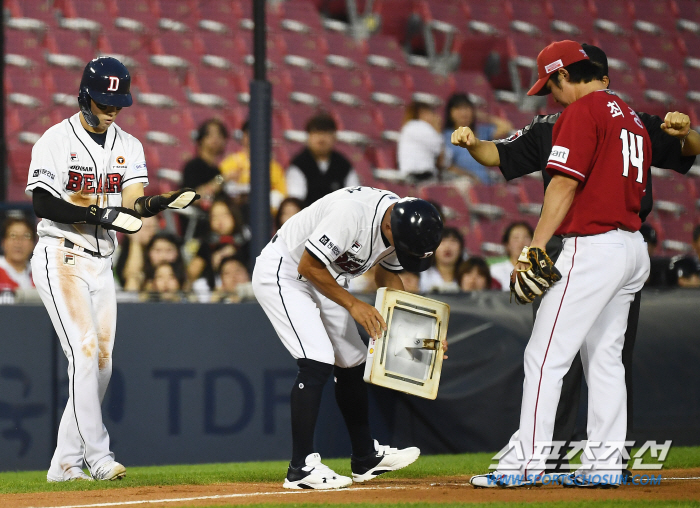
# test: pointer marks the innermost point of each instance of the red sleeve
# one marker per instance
(574, 142)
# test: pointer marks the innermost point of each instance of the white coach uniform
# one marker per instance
(72, 269)
(343, 231)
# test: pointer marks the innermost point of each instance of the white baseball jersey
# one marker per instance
(69, 164)
(343, 231)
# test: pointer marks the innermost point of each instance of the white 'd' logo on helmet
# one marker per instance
(113, 84)
(427, 255)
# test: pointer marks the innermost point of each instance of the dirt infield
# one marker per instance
(435, 490)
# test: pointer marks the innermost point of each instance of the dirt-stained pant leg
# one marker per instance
(67, 295)
(104, 316)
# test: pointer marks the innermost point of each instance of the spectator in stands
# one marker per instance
(474, 275)
(288, 207)
(228, 236)
(411, 281)
(236, 169)
(167, 283)
(421, 147)
(129, 268)
(460, 112)
(18, 241)
(684, 272)
(202, 172)
(516, 236)
(442, 276)
(233, 275)
(658, 273)
(162, 248)
(319, 169)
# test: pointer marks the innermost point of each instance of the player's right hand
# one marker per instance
(116, 218)
(464, 137)
(369, 317)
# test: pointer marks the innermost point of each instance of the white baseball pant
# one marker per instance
(308, 324)
(78, 292)
(587, 311)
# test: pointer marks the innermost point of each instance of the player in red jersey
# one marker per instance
(599, 161)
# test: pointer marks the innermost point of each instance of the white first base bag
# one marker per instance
(408, 356)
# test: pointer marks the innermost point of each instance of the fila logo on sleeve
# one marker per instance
(113, 84)
(559, 154)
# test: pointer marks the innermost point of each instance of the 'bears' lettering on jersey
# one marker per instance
(86, 182)
(349, 263)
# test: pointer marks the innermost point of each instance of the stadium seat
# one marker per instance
(173, 14)
(514, 115)
(343, 50)
(490, 18)
(305, 49)
(394, 16)
(136, 16)
(65, 81)
(301, 16)
(159, 80)
(425, 82)
(532, 190)
(232, 117)
(27, 44)
(121, 42)
(26, 88)
(668, 87)
(573, 18)
(223, 83)
(660, 52)
(531, 16)
(71, 44)
(184, 48)
(688, 15)
(494, 201)
(390, 82)
(226, 13)
(362, 122)
(614, 15)
(619, 47)
(46, 11)
(523, 49)
(102, 11)
(352, 87)
(392, 119)
(293, 116)
(490, 234)
(677, 232)
(476, 85)
(384, 51)
(453, 203)
(314, 83)
(655, 16)
(674, 195)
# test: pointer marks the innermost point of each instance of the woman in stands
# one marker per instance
(516, 236)
(474, 275)
(442, 276)
(460, 112)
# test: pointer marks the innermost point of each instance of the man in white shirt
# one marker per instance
(318, 169)
(421, 146)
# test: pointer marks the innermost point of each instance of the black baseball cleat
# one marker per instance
(314, 475)
(383, 460)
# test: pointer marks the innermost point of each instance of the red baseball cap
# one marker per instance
(554, 57)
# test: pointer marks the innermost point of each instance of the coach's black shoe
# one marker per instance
(580, 481)
(383, 460)
(314, 475)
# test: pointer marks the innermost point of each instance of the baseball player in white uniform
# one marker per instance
(86, 179)
(300, 280)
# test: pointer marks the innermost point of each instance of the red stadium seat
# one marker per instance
(186, 46)
(614, 15)
(281, 83)
(392, 119)
(68, 42)
(620, 47)
(487, 17)
(230, 46)
(674, 189)
(394, 17)
(392, 82)
(453, 203)
(312, 48)
(688, 15)
(655, 16)
(294, 116)
(163, 81)
(228, 13)
(29, 83)
(454, 12)
(137, 13)
(573, 18)
(181, 11)
(514, 115)
(102, 11)
(677, 232)
(27, 44)
(384, 51)
(504, 197)
(223, 83)
(66, 81)
(671, 85)
(531, 14)
(341, 45)
(46, 11)
(476, 85)
(660, 52)
(350, 85)
(300, 15)
(363, 121)
(315, 83)
(425, 81)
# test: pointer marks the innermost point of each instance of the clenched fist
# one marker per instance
(676, 124)
(464, 137)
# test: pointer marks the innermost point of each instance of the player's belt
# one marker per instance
(70, 245)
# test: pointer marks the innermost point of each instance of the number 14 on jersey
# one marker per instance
(632, 152)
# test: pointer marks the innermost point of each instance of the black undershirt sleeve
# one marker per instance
(666, 151)
(527, 150)
(50, 207)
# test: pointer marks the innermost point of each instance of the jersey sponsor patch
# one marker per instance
(74, 157)
(324, 240)
(559, 154)
(356, 246)
(68, 259)
(140, 166)
(45, 172)
(121, 160)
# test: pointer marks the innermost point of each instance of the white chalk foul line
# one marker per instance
(218, 496)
